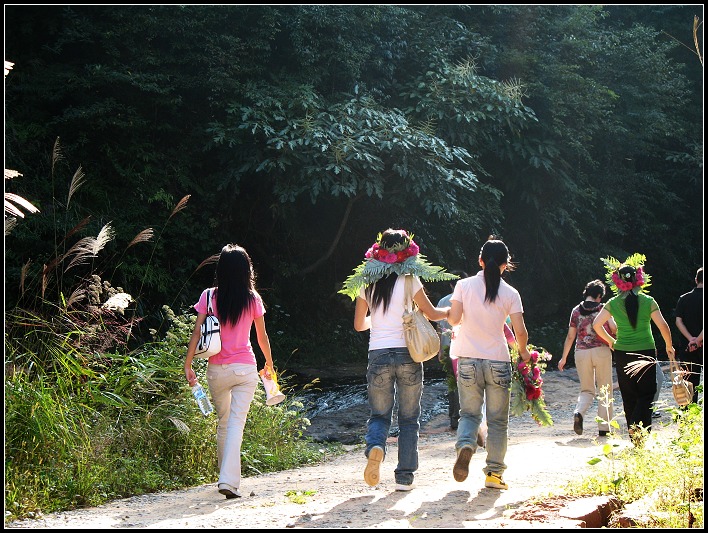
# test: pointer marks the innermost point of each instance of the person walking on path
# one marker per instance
(378, 285)
(480, 304)
(634, 349)
(593, 358)
(449, 364)
(232, 373)
(689, 321)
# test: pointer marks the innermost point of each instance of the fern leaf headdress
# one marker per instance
(402, 258)
(622, 283)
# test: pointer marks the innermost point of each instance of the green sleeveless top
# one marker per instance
(630, 339)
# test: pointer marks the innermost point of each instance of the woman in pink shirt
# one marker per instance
(232, 373)
(480, 304)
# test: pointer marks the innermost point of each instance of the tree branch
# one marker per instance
(337, 238)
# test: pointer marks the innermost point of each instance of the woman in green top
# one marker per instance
(633, 312)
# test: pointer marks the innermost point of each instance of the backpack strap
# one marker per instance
(210, 310)
(407, 295)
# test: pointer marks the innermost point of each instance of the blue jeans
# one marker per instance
(392, 374)
(477, 378)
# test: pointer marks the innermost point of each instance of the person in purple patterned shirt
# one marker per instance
(593, 357)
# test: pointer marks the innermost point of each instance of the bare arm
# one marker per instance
(522, 334)
(455, 316)
(612, 326)
(429, 310)
(567, 345)
(684, 330)
(665, 331)
(264, 343)
(598, 325)
(191, 348)
(362, 321)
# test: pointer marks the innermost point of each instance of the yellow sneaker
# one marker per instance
(371, 472)
(494, 481)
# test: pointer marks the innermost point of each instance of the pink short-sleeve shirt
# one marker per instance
(235, 338)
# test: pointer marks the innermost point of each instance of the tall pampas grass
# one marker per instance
(76, 182)
(180, 205)
(89, 247)
(148, 232)
(145, 235)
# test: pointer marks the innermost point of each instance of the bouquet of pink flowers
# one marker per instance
(526, 385)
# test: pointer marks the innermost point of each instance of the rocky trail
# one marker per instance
(333, 494)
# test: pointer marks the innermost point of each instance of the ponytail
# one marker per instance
(631, 305)
(492, 279)
(494, 254)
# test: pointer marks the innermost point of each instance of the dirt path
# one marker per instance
(540, 460)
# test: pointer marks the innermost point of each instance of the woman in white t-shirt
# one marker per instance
(391, 375)
(232, 373)
(480, 304)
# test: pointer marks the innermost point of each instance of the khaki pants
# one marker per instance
(595, 371)
(232, 388)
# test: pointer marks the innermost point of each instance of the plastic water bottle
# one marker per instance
(202, 399)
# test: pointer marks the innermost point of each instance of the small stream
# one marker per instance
(338, 408)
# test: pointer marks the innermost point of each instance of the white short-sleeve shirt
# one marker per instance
(387, 328)
(481, 333)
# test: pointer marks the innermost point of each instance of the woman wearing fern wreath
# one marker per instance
(633, 311)
(232, 373)
(481, 304)
(377, 285)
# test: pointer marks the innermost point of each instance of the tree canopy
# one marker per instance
(300, 132)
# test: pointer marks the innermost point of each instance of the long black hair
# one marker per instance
(494, 254)
(631, 302)
(235, 283)
(380, 292)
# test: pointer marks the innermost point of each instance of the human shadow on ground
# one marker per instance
(451, 511)
(159, 507)
(355, 513)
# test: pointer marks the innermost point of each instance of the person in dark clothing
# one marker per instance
(689, 321)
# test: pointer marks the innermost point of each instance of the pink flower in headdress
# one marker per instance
(621, 284)
(639, 277)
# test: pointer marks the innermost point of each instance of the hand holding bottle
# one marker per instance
(202, 399)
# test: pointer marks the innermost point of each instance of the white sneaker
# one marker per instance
(400, 487)
(229, 491)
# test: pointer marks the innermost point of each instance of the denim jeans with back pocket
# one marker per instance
(483, 381)
(392, 376)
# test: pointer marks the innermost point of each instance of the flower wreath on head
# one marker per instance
(622, 286)
(402, 258)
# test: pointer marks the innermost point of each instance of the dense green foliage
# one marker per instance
(574, 132)
(666, 472)
(83, 429)
(149, 137)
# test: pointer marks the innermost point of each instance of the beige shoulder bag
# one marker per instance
(421, 338)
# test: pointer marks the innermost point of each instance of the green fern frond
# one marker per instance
(372, 270)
